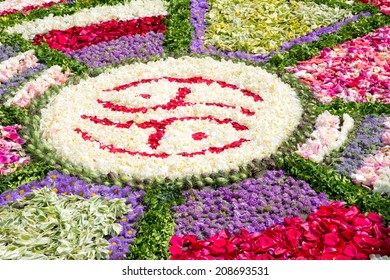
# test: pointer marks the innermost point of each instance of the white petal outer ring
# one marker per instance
(274, 118)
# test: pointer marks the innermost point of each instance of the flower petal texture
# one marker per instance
(123, 130)
(294, 241)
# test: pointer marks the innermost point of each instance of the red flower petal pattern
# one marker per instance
(357, 70)
(78, 37)
(332, 232)
(28, 9)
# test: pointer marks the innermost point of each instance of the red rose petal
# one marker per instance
(217, 250)
(220, 242)
(293, 237)
(375, 217)
(205, 252)
(290, 241)
(196, 245)
(323, 212)
(245, 246)
(189, 239)
(308, 245)
(376, 231)
(315, 253)
(312, 235)
(198, 136)
(223, 234)
(361, 222)
(280, 251)
(230, 248)
(328, 250)
(361, 256)
(337, 204)
(176, 241)
(350, 250)
(351, 213)
(358, 241)
(266, 242)
(175, 250)
(62, 40)
(347, 234)
(100, 32)
(372, 242)
(341, 257)
(264, 257)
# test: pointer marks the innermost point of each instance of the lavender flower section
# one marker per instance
(67, 185)
(198, 14)
(254, 205)
(368, 140)
(20, 79)
(6, 52)
(119, 50)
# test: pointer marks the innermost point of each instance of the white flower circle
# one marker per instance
(173, 117)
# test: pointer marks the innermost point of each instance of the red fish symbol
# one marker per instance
(160, 126)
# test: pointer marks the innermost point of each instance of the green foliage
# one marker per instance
(153, 237)
(46, 55)
(11, 115)
(356, 6)
(350, 31)
(178, 36)
(48, 226)
(34, 171)
(156, 227)
(53, 57)
(335, 185)
(355, 108)
(256, 27)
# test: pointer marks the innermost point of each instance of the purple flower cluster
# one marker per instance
(198, 14)
(6, 52)
(368, 139)
(254, 205)
(67, 185)
(119, 50)
(20, 79)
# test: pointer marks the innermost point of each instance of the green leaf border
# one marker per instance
(163, 194)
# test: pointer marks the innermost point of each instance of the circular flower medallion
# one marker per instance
(173, 117)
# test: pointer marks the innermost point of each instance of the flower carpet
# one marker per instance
(195, 130)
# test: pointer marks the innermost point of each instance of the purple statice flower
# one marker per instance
(7, 52)
(119, 50)
(254, 205)
(367, 140)
(67, 185)
(198, 14)
(20, 79)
